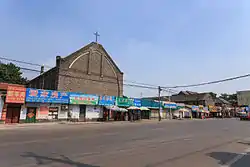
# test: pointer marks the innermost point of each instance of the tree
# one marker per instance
(229, 97)
(10, 73)
(213, 94)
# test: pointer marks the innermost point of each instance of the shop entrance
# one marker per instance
(82, 115)
(31, 115)
(13, 114)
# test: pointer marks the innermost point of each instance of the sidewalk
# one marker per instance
(46, 124)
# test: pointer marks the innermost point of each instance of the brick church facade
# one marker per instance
(89, 70)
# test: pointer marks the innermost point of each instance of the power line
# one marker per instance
(29, 69)
(76, 77)
(142, 85)
(210, 82)
(39, 65)
(24, 62)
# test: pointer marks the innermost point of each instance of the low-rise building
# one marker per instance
(243, 98)
(194, 98)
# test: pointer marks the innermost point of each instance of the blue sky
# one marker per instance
(161, 42)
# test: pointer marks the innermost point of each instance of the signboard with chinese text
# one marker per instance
(15, 94)
(124, 101)
(150, 103)
(78, 98)
(106, 100)
(46, 96)
(170, 105)
(137, 102)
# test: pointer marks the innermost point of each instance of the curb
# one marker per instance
(33, 125)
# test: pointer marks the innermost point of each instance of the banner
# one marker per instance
(46, 96)
(106, 100)
(15, 94)
(23, 112)
(124, 101)
(137, 102)
(77, 98)
(170, 105)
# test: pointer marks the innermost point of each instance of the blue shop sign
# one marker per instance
(170, 105)
(106, 100)
(46, 96)
(137, 102)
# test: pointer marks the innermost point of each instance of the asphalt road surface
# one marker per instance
(202, 143)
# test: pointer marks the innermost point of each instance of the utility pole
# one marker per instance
(169, 99)
(41, 73)
(159, 99)
(42, 69)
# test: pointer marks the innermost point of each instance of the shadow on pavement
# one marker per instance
(231, 159)
(244, 142)
(43, 160)
(223, 157)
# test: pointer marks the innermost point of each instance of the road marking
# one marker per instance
(236, 158)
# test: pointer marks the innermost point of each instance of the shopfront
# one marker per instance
(46, 105)
(137, 111)
(153, 107)
(170, 108)
(124, 102)
(107, 102)
(88, 106)
(15, 99)
(183, 111)
(195, 112)
(213, 111)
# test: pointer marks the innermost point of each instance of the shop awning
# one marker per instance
(116, 108)
(133, 108)
(144, 109)
(184, 110)
(123, 110)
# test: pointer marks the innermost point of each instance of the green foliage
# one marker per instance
(229, 97)
(10, 73)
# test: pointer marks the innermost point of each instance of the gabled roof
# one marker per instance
(189, 97)
(222, 101)
(187, 93)
(80, 50)
(90, 45)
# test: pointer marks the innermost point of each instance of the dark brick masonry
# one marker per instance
(89, 70)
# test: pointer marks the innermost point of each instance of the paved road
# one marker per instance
(204, 143)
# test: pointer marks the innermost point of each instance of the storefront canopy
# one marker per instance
(116, 108)
(184, 110)
(133, 108)
(144, 109)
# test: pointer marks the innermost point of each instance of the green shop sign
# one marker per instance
(77, 98)
(124, 101)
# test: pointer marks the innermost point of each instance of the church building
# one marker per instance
(89, 70)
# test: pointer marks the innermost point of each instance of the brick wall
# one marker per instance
(48, 80)
(93, 73)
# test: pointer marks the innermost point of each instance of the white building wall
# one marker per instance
(93, 112)
(75, 111)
